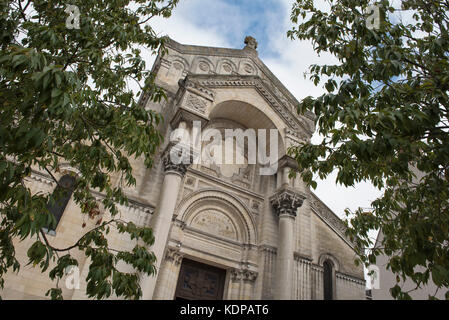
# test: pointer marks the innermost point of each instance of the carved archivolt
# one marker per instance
(220, 212)
(329, 257)
(293, 120)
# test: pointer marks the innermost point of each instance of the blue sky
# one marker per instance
(225, 23)
(236, 18)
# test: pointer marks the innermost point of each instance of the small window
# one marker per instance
(59, 199)
(328, 280)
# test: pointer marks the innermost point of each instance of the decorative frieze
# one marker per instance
(328, 216)
(349, 278)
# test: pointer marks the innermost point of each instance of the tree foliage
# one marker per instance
(65, 97)
(384, 118)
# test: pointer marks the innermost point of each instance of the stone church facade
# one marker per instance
(222, 231)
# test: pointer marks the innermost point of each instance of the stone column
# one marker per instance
(168, 278)
(162, 219)
(241, 284)
(285, 202)
(249, 279)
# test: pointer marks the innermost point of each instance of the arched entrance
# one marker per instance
(211, 252)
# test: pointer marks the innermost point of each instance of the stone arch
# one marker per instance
(66, 168)
(329, 257)
(330, 266)
(248, 112)
(224, 62)
(236, 210)
(176, 70)
(181, 60)
(247, 67)
(202, 65)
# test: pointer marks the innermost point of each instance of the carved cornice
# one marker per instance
(287, 201)
(350, 278)
(329, 217)
(195, 87)
(287, 161)
(294, 121)
(188, 116)
(42, 178)
(303, 259)
(268, 249)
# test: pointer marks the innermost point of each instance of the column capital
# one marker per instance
(174, 255)
(243, 274)
(287, 201)
(176, 159)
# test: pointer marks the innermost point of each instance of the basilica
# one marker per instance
(223, 231)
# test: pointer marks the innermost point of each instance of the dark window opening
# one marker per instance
(328, 281)
(60, 198)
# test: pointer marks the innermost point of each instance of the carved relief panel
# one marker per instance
(216, 223)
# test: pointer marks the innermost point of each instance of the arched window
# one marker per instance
(328, 280)
(59, 199)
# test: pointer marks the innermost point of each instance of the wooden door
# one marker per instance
(198, 281)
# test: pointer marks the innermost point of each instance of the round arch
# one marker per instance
(234, 209)
(328, 257)
(250, 111)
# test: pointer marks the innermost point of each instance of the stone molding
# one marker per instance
(268, 249)
(219, 81)
(287, 202)
(350, 278)
(287, 161)
(329, 217)
(39, 177)
(197, 88)
(303, 259)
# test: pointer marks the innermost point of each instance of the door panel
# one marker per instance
(198, 281)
